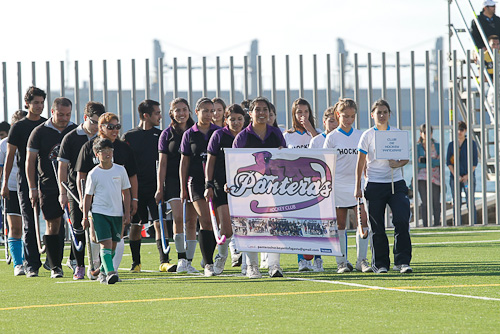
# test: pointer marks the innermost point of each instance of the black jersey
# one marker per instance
(194, 144)
(144, 144)
(122, 155)
(247, 138)
(46, 140)
(169, 144)
(19, 135)
(222, 138)
(71, 145)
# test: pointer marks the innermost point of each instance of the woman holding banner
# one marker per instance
(384, 186)
(192, 174)
(215, 171)
(344, 140)
(258, 134)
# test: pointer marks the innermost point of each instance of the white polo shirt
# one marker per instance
(377, 170)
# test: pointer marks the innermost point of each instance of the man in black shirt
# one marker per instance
(18, 139)
(143, 140)
(489, 22)
(42, 153)
(68, 154)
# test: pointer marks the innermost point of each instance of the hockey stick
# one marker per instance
(78, 244)
(41, 249)
(184, 203)
(8, 258)
(164, 246)
(220, 239)
(363, 234)
(87, 233)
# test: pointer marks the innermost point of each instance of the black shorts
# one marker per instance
(49, 204)
(220, 196)
(196, 190)
(12, 204)
(146, 206)
(172, 189)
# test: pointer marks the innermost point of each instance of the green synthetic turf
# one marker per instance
(454, 262)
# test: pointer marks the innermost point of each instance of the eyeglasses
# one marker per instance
(113, 126)
(93, 121)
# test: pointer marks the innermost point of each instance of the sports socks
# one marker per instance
(252, 258)
(79, 254)
(107, 260)
(232, 247)
(273, 259)
(53, 250)
(179, 245)
(16, 250)
(343, 247)
(163, 256)
(117, 259)
(191, 249)
(207, 245)
(362, 245)
(224, 248)
(135, 249)
(95, 249)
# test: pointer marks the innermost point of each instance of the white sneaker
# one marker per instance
(90, 275)
(318, 265)
(381, 270)
(209, 270)
(236, 259)
(19, 270)
(275, 271)
(182, 266)
(56, 273)
(303, 266)
(253, 272)
(403, 268)
(191, 269)
(243, 269)
(343, 268)
(219, 264)
(363, 266)
(71, 264)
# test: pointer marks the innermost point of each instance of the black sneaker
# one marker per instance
(30, 272)
(112, 278)
(56, 273)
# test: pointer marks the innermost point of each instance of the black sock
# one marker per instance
(207, 242)
(163, 256)
(182, 256)
(135, 249)
(79, 255)
(52, 249)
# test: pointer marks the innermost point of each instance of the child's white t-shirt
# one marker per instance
(297, 139)
(106, 186)
(318, 141)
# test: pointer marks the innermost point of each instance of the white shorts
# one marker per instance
(344, 196)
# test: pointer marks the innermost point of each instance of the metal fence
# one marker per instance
(167, 81)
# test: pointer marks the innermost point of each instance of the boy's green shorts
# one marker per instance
(107, 227)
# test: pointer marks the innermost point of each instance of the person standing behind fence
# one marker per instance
(17, 142)
(422, 177)
(464, 174)
(489, 22)
(379, 192)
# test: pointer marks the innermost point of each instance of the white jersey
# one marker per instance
(106, 186)
(318, 141)
(12, 184)
(345, 146)
(297, 139)
(377, 170)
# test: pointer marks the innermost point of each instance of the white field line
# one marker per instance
(446, 243)
(374, 287)
(438, 233)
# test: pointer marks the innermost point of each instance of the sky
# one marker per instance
(56, 30)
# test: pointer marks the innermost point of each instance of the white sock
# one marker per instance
(120, 248)
(263, 257)
(252, 258)
(232, 246)
(95, 249)
(191, 249)
(243, 259)
(179, 242)
(224, 248)
(343, 247)
(273, 259)
(362, 245)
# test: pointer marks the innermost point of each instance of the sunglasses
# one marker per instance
(93, 121)
(113, 126)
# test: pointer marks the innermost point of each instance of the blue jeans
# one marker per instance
(466, 191)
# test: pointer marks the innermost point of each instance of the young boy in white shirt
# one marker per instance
(107, 189)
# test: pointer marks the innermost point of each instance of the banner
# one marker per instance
(282, 200)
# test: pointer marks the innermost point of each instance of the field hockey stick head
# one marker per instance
(363, 234)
